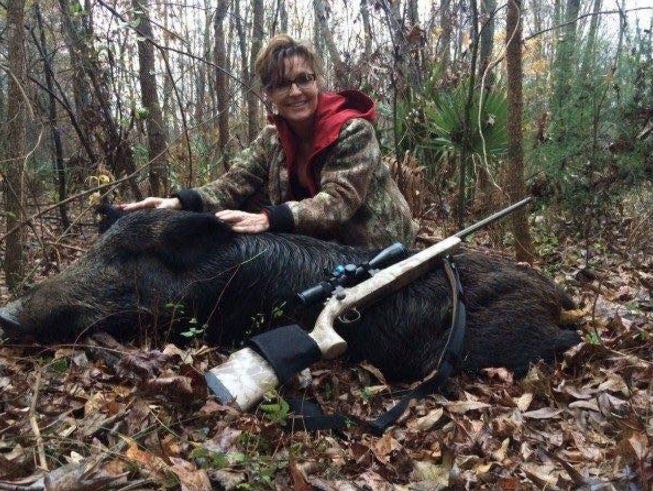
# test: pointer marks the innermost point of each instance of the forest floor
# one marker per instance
(103, 415)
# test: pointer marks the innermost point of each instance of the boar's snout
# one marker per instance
(9, 324)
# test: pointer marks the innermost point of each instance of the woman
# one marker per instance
(317, 166)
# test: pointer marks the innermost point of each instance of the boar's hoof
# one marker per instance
(9, 325)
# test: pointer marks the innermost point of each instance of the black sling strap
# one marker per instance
(309, 417)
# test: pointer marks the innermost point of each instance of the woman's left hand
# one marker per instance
(241, 221)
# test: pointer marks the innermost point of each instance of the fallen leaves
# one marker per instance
(462, 407)
(190, 478)
(546, 430)
(144, 420)
(85, 475)
(426, 423)
(543, 413)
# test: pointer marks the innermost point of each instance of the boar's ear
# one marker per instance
(107, 216)
(190, 238)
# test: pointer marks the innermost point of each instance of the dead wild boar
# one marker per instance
(158, 269)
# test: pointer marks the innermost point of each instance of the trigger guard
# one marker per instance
(350, 316)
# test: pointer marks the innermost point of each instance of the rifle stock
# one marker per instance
(384, 282)
(246, 376)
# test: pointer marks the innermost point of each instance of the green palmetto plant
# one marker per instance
(433, 126)
(486, 136)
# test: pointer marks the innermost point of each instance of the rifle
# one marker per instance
(246, 376)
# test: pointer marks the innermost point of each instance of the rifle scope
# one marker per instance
(351, 274)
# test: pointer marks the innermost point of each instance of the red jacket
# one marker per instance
(333, 110)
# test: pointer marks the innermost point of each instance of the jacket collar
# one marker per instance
(333, 111)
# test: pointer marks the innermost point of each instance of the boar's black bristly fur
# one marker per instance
(157, 269)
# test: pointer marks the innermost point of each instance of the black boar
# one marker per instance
(159, 268)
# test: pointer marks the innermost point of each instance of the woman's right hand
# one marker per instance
(152, 202)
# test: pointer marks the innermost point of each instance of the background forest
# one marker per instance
(557, 96)
(480, 103)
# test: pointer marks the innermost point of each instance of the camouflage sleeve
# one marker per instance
(343, 182)
(246, 176)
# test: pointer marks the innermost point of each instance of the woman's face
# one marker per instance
(295, 97)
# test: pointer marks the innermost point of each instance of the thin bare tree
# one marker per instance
(110, 135)
(589, 52)
(221, 79)
(13, 184)
(564, 68)
(55, 130)
(516, 185)
(325, 33)
(367, 29)
(156, 132)
(283, 15)
(253, 101)
(444, 42)
(488, 8)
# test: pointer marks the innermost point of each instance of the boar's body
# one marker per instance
(156, 268)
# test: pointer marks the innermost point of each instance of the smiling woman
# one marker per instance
(296, 96)
(316, 169)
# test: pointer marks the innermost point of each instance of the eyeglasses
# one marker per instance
(303, 81)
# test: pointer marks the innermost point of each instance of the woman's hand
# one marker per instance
(152, 202)
(241, 221)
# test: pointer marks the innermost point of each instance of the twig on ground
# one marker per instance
(43, 463)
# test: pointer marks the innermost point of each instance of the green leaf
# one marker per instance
(60, 365)
(277, 411)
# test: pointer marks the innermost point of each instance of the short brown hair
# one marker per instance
(269, 65)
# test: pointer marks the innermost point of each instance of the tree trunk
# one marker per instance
(590, 49)
(403, 79)
(80, 86)
(467, 126)
(621, 4)
(238, 24)
(3, 99)
(444, 42)
(253, 110)
(412, 12)
(318, 40)
(488, 8)
(200, 69)
(565, 68)
(117, 150)
(283, 15)
(14, 182)
(367, 29)
(156, 136)
(516, 186)
(541, 51)
(323, 31)
(167, 104)
(59, 167)
(221, 80)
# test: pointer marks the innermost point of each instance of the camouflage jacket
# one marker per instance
(356, 201)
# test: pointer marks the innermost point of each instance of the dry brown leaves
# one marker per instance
(103, 415)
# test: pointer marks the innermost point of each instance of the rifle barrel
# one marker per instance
(499, 214)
